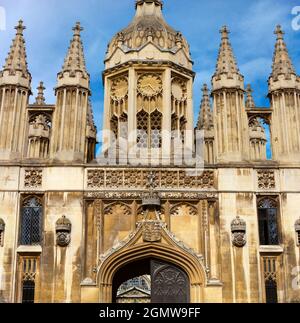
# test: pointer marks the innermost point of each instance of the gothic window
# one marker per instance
(174, 121)
(124, 126)
(156, 119)
(142, 129)
(28, 270)
(182, 128)
(268, 222)
(31, 221)
(28, 291)
(114, 127)
(270, 279)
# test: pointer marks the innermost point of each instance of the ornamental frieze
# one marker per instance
(97, 179)
(163, 195)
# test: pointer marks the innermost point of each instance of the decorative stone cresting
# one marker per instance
(63, 231)
(238, 230)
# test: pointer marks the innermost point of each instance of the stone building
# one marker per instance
(74, 228)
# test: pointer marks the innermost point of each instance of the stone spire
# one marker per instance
(205, 120)
(282, 64)
(139, 2)
(74, 63)
(249, 99)
(17, 59)
(226, 63)
(40, 99)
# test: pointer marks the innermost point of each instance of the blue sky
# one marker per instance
(49, 29)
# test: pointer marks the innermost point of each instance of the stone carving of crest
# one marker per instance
(63, 231)
(152, 231)
(238, 230)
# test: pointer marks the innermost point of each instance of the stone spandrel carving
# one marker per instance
(33, 178)
(117, 208)
(184, 209)
(266, 179)
(124, 179)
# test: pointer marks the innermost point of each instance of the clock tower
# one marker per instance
(148, 81)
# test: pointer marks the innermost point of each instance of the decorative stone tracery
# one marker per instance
(138, 179)
(266, 179)
(33, 178)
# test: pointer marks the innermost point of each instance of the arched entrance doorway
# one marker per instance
(169, 283)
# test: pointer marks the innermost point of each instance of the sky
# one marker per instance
(49, 30)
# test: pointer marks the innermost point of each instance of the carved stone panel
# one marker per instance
(33, 178)
(266, 179)
(152, 231)
(95, 178)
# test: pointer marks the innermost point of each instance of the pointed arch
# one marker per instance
(167, 250)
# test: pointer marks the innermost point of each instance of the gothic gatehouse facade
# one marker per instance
(222, 225)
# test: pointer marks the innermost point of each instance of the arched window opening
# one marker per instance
(182, 128)
(39, 134)
(268, 222)
(114, 127)
(31, 221)
(142, 129)
(156, 120)
(260, 138)
(123, 126)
